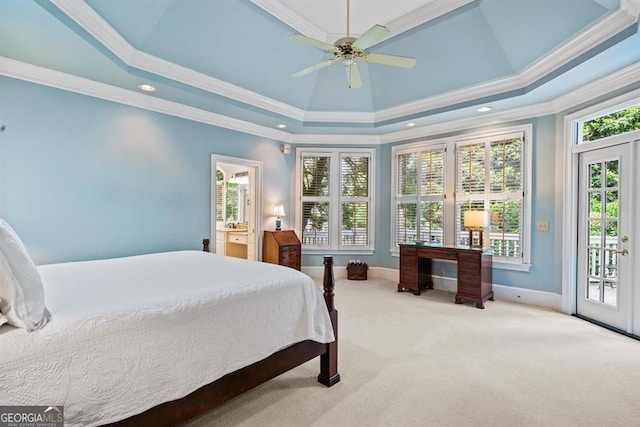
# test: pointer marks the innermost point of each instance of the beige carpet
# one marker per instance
(425, 361)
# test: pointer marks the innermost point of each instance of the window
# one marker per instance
(618, 122)
(489, 178)
(419, 205)
(335, 194)
(436, 182)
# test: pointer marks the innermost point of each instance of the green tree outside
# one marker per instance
(616, 123)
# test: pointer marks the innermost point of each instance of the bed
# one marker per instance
(161, 338)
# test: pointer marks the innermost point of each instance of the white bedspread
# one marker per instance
(127, 334)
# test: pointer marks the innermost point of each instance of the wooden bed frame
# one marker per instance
(235, 383)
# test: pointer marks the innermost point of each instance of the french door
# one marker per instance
(604, 285)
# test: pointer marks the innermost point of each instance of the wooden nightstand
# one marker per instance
(282, 247)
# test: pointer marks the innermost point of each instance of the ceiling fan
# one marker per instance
(347, 49)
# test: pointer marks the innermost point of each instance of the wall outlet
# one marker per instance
(441, 272)
(542, 226)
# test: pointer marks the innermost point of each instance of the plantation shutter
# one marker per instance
(431, 212)
(355, 199)
(489, 177)
(219, 196)
(316, 171)
(419, 198)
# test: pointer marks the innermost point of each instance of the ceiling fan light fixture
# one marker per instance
(348, 48)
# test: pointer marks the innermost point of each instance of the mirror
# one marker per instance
(233, 195)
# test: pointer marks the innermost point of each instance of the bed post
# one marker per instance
(205, 245)
(329, 361)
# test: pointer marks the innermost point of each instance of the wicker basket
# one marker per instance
(357, 271)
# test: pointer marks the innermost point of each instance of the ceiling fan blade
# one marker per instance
(353, 76)
(371, 37)
(314, 67)
(394, 60)
(313, 42)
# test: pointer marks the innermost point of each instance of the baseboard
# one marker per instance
(340, 272)
(449, 284)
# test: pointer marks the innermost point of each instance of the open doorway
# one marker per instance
(236, 194)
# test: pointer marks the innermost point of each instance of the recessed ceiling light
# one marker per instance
(410, 124)
(281, 126)
(484, 109)
(146, 88)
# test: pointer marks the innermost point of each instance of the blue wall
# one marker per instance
(82, 178)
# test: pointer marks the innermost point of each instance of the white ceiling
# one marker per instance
(326, 20)
(330, 15)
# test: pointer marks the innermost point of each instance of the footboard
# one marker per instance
(235, 383)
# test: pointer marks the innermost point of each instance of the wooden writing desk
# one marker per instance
(474, 269)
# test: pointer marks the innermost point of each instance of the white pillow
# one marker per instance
(3, 319)
(21, 290)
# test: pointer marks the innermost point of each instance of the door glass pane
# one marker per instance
(611, 239)
(595, 175)
(595, 233)
(611, 204)
(593, 289)
(595, 204)
(610, 264)
(612, 173)
(594, 262)
(610, 292)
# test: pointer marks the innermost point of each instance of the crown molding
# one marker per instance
(603, 30)
(607, 84)
(406, 22)
(57, 79)
(335, 139)
(606, 28)
(292, 19)
(44, 76)
(97, 27)
(631, 6)
(339, 117)
(424, 14)
(90, 21)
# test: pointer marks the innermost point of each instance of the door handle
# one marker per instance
(623, 252)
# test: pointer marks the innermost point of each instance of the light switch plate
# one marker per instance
(542, 226)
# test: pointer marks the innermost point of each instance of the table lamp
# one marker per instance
(278, 211)
(476, 221)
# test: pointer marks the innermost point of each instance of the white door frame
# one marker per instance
(257, 203)
(567, 167)
(618, 315)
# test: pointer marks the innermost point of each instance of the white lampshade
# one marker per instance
(476, 219)
(278, 210)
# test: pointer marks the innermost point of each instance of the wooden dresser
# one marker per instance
(474, 270)
(282, 247)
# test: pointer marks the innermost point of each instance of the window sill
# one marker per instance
(501, 265)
